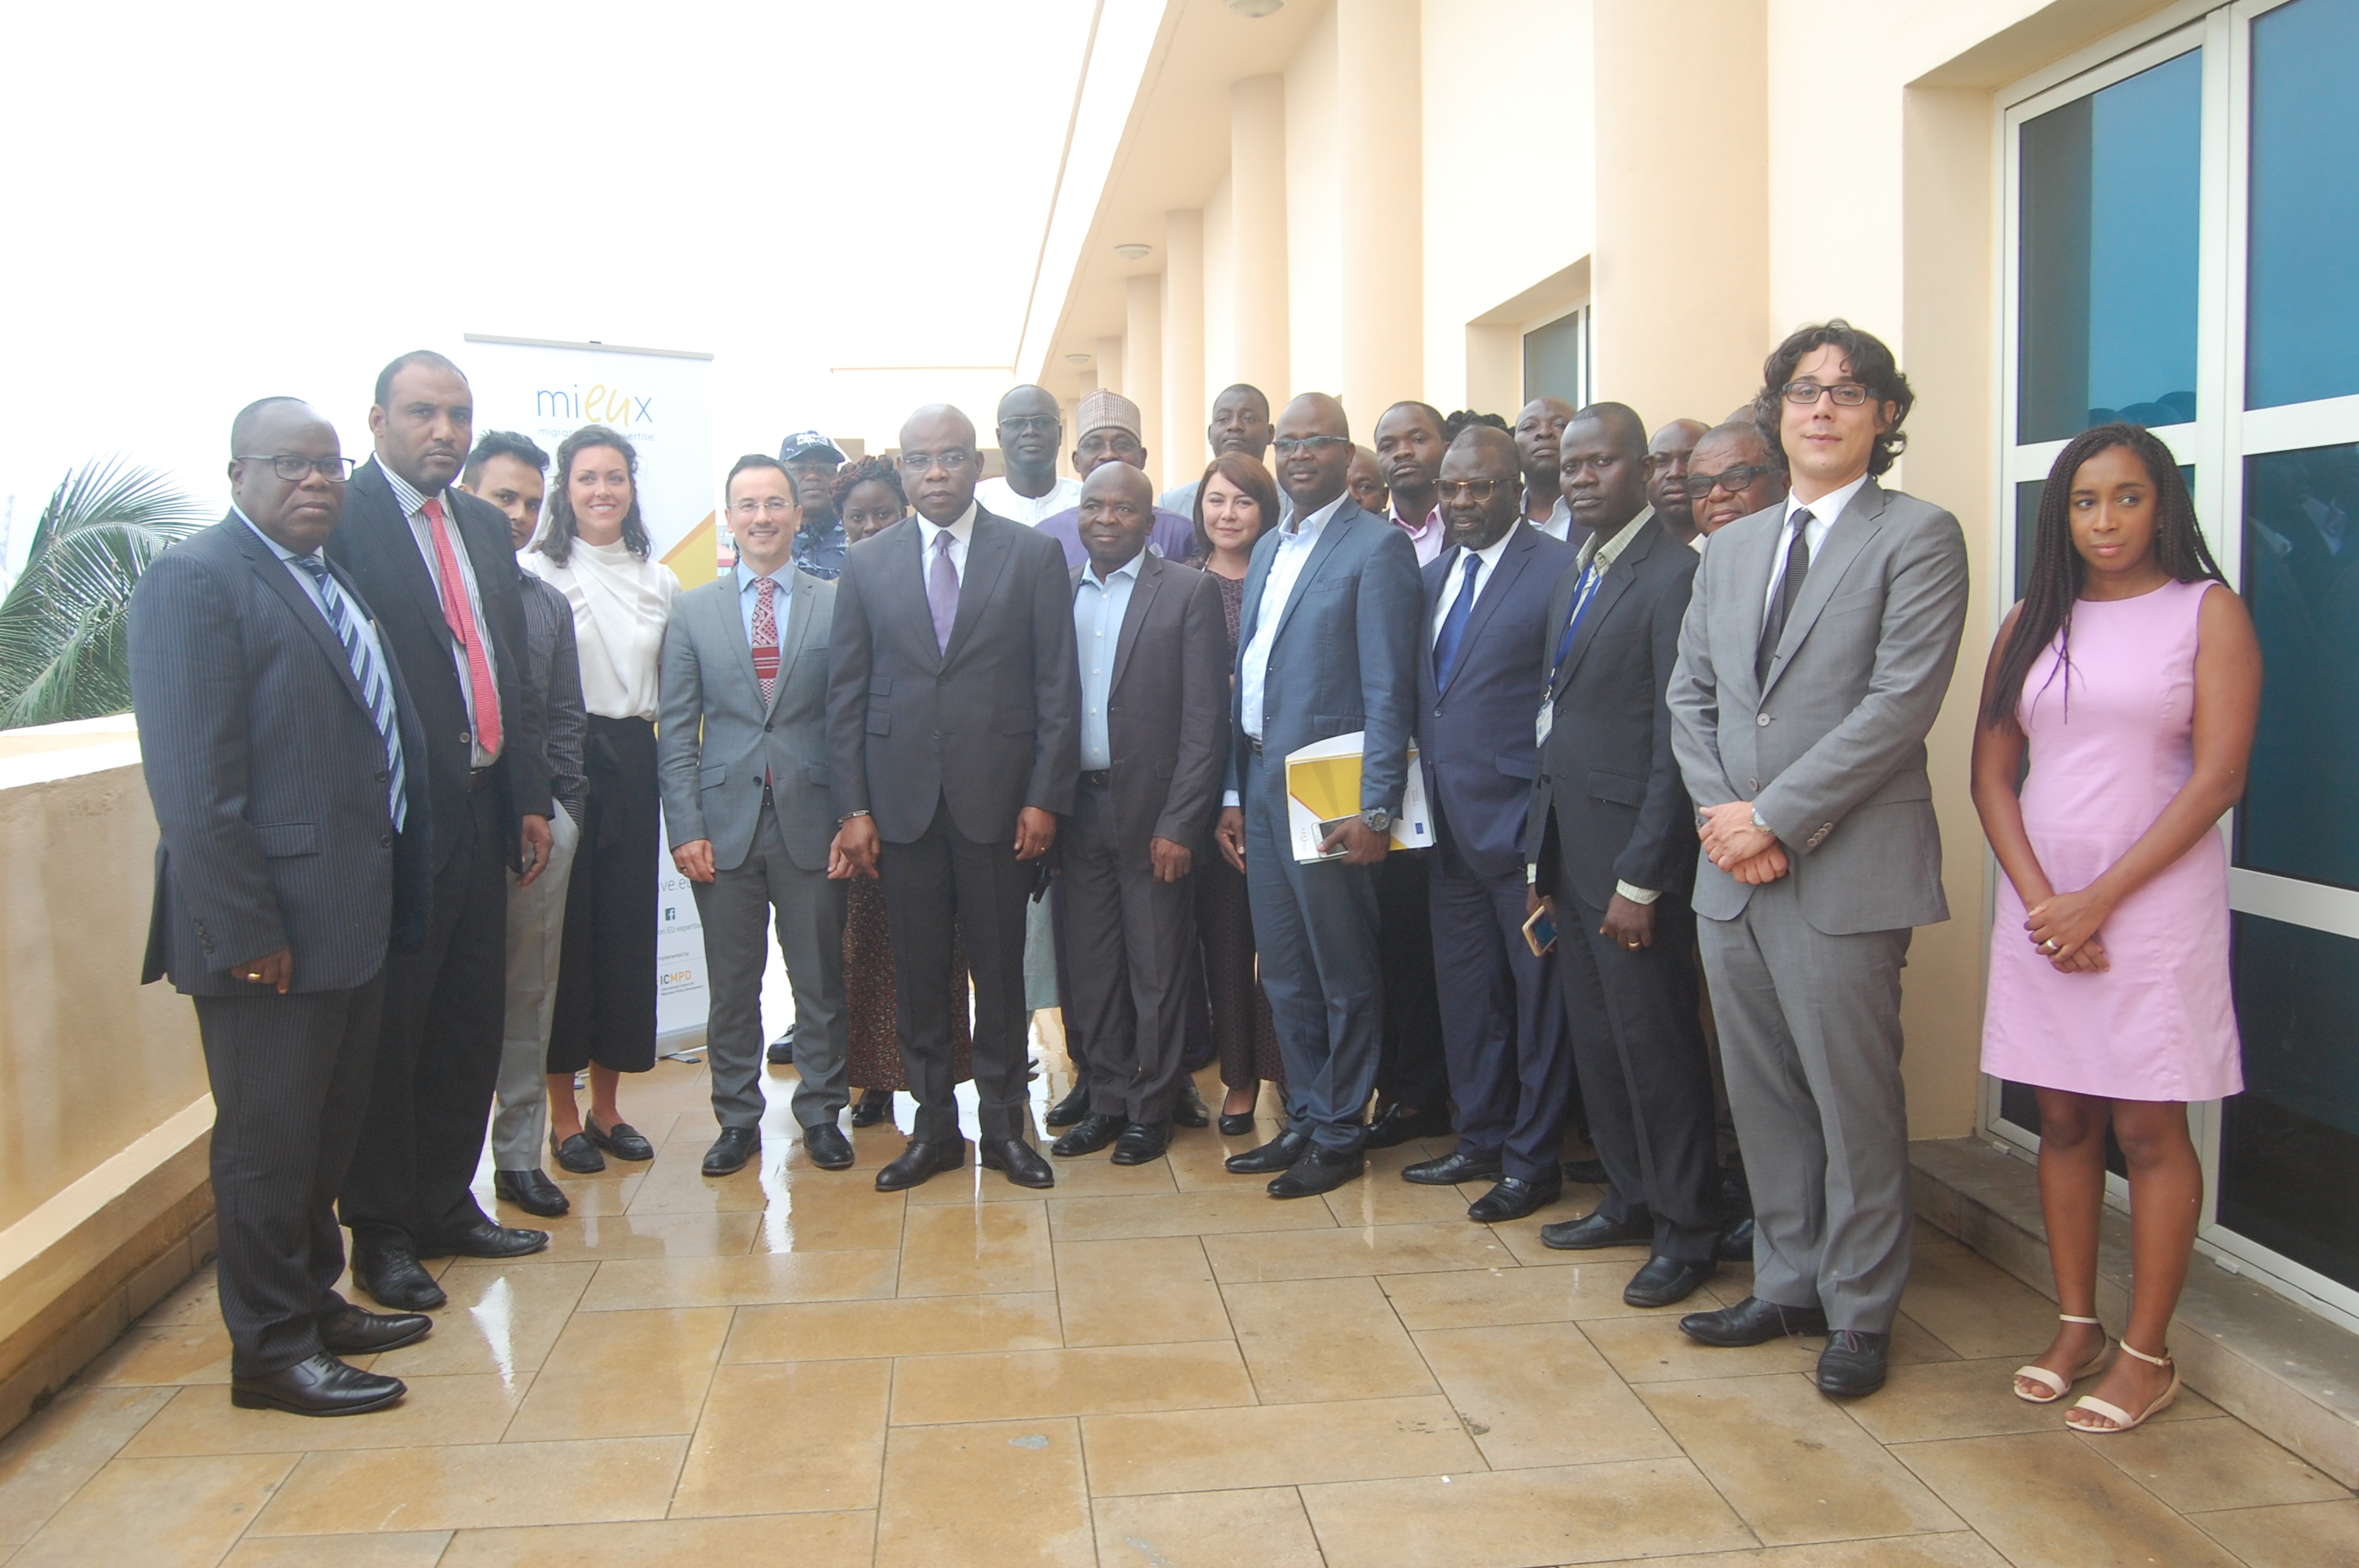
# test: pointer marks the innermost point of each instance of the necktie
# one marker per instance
(942, 590)
(375, 691)
(462, 622)
(1454, 625)
(1581, 590)
(1781, 603)
(766, 637)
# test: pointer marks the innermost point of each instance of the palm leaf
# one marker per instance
(62, 654)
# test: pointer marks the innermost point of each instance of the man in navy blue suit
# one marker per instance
(1481, 675)
(1326, 646)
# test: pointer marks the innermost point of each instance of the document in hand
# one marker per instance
(1322, 786)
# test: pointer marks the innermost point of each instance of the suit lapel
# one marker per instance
(1850, 534)
(274, 577)
(1142, 596)
(1256, 578)
(1751, 572)
(1511, 563)
(730, 616)
(1331, 538)
(988, 550)
(905, 574)
(790, 638)
(400, 547)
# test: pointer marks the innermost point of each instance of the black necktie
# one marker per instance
(1790, 588)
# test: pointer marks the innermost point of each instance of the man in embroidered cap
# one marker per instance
(1110, 433)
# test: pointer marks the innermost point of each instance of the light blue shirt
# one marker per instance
(747, 597)
(1098, 609)
(311, 586)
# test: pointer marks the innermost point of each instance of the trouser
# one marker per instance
(1128, 939)
(536, 937)
(1317, 927)
(1809, 1034)
(937, 885)
(736, 907)
(1644, 1076)
(439, 1054)
(1412, 1064)
(291, 1081)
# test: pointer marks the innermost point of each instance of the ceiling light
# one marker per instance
(1077, 359)
(1256, 8)
(1134, 252)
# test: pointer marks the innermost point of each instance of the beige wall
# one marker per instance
(1380, 180)
(1315, 217)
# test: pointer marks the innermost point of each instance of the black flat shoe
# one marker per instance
(1071, 1108)
(1398, 1124)
(1087, 1136)
(1279, 1155)
(1319, 1171)
(732, 1150)
(486, 1240)
(875, 1106)
(393, 1277)
(1141, 1143)
(1592, 1230)
(825, 1146)
(1853, 1363)
(577, 1155)
(781, 1051)
(531, 1191)
(1190, 1111)
(1591, 1172)
(1238, 1126)
(921, 1160)
(1020, 1160)
(319, 1386)
(1752, 1322)
(1664, 1281)
(622, 1141)
(355, 1331)
(1448, 1170)
(1514, 1198)
(1735, 1243)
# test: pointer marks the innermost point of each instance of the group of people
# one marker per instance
(412, 730)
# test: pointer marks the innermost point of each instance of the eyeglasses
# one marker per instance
(1729, 479)
(1031, 424)
(926, 462)
(768, 506)
(1289, 446)
(1478, 490)
(1846, 394)
(293, 468)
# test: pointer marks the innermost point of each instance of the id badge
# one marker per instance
(1544, 723)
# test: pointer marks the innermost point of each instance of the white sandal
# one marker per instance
(2123, 1421)
(2056, 1383)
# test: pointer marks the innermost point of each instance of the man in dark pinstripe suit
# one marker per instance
(278, 747)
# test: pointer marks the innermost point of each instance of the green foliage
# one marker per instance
(62, 653)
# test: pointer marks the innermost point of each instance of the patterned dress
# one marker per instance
(868, 981)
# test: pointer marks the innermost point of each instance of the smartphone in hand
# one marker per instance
(1540, 931)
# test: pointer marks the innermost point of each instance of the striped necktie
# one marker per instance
(766, 637)
(375, 689)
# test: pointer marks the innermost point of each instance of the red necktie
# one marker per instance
(462, 622)
(765, 638)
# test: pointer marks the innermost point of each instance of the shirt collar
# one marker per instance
(1827, 508)
(1489, 555)
(748, 577)
(961, 529)
(1307, 528)
(281, 551)
(1418, 530)
(1128, 569)
(412, 499)
(1606, 554)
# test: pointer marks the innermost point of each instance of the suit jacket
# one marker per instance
(1831, 746)
(374, 545)
(1609, 802)
(1165, 727)
(1345, 654)
(991, 723)
(718, 738)
(553, 666)
(268, 776)
(1475, 735)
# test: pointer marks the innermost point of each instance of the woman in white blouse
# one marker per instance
(594, 548)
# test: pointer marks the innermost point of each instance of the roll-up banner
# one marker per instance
(661, 400)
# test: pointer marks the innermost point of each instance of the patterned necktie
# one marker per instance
(1580, 592)
(1781, 603)
(460, 619)
(1454, 625)
(375, 691)
(766, 637)
(942, 591)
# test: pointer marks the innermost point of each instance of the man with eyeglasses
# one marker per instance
(1731, 473)
(1813, 661)
(1112, 433)
(1031, 430)
(1538, 428)
(811, 462)
(1667, 472)
(1327, 646)
(1240, 423)
(954, 719)
(740, 755)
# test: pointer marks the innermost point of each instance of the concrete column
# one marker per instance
(1142, 363)
(1378, 103)
(1110, 366)
(1257, 200)
(1181, 453)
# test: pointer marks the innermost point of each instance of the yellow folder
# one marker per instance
(1322, 784)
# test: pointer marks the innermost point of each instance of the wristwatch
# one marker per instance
(1377, 818)
(1761, 825)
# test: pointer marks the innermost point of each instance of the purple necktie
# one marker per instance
(942, 590)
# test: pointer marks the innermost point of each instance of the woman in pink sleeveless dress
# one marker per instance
(2131, 674)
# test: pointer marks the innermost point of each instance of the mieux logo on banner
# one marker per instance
(604, 405)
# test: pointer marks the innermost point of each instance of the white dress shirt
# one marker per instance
(412, 501)
(960, 531)
(998, 497)
(621, 603)
(1098, 610)
(1558, 524)
(1823, 513)
(1454, 582)
(1295, 543)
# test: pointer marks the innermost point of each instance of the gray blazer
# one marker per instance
(1831, 746)
(717, 738)
(1165, 720)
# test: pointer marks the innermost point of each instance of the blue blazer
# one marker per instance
(1474, 736)
(1345, 654)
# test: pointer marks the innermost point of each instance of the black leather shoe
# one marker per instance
(531, 1191)
(1191, 1111)
(577, 1155)
(357, 1332)
(781, 1052)
(1089, 1135)
(1593, 1229)
(1020, 1160)
(874, 1105)
(731, 1151)
(1279, 1155)
(1142, 1143)
(825, 1146)
(1398, 1124)
(1451, 1169)
(1237, 1126)
(1853, 1363)
(1735, 1243)
(486, 1240)
(622, 1141)
(1591, 1172)
(1514, 1198)
(921, 1160)
(393, 1278)
(1071, 1108)
(1319, 1171)
(1752, 1322)
(319, 1386)
(1664, 1281)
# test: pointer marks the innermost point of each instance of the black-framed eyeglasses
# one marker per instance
(293, 470)
(1478, 490)
(1729, 479)
(926, 462)
(1289, 446)
(1846, 394)
(1031, 424)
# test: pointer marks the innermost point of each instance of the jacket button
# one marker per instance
(384, 841)
(1752, 784)
(466, 739)
(1761, 720)
(382, 774)
(765, 728)
(938, 734)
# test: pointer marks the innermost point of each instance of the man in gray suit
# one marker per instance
(283, 758)
(742, 753)
(1815, 651)
(1326, 646)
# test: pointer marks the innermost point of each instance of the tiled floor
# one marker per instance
(1157, 1368)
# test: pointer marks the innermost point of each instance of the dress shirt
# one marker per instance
(1558, 524)
(821, 551)
(1823, 513)
(746, 578)
(1426, 536)
(412, 501)
(621, 602)
(1454, 580)
(998, 497)
(1098, 609)
(1295, 543)
(961, 531)
(1605, 555)
(1696, 542)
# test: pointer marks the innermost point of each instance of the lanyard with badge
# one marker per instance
(1590, 578)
